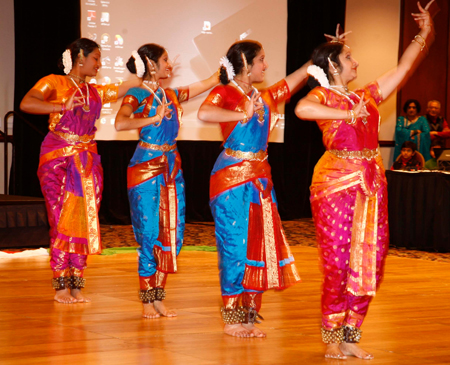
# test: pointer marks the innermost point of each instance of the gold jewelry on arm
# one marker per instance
(421, 42)
(352, 116)
(245, 120)
(158, 123)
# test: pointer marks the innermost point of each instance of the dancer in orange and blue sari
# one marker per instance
(349, 189)
(70, 172)
(155, 179)
(254, 255)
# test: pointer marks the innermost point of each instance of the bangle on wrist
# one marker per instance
(352, 116)
(158, 123)
(63, 109)
(421, 42)
(245, 120)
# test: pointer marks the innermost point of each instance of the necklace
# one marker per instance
(345, 88)
(157, 98)
(78, 77)
(85, 107)
(260, 112)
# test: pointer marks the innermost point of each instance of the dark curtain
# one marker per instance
(431, 80)
(43, 29)
(308, 20)
(41, 36)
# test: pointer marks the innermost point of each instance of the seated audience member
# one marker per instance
(409, 159)
(439, 129)
(413, 127)
(431, 164)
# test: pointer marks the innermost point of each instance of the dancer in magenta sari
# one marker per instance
(349, 190)
(70, 171)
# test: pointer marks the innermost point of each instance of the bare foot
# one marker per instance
(149, 311)
(237, 330)
(352, 349)
(80, 298)
(63, 296)
(333, 352)
(161, 309)
(254, 330)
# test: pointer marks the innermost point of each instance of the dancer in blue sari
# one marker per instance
(155, 180)
(254, 255)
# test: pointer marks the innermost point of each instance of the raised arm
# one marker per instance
(200, 87)
(298, 78)
(413, 54)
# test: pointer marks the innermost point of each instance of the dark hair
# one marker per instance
(85, 44)
(409, 144)
(413, 101)
(320, 56)
(150, 50)
(249, 48)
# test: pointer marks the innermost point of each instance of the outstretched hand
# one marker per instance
(423, 19)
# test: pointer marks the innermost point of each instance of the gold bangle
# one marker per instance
(158, 123)
(245, 120)
(422, 43)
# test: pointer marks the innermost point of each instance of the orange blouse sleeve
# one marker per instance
(108, 93)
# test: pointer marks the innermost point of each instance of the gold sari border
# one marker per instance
(365, 154)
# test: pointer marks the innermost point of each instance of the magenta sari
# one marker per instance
(71, 175)
(349, 205)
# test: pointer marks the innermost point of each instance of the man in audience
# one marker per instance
(439, 129)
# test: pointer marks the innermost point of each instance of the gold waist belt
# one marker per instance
(164, 148)
(365, 154)
(259, 156)
(74, 138)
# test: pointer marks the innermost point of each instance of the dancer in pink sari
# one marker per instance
(70, 171)
(348, 190)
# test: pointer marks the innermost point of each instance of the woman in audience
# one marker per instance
(414, 128)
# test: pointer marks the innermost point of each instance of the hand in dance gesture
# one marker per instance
(253, 105)
(338, 37)
(424, 18)
(74, 101)
(360, 109)
(163, 110)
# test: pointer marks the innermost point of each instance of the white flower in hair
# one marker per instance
(319, 75)
(67, 61)
(140, 67)
(228, 66)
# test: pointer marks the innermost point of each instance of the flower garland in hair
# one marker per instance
(140, 67)
(225, 62)
(319, 75)
(67, 61)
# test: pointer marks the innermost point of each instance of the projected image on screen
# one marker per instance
(196, 33)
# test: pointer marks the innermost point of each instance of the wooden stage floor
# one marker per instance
(408, 322)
